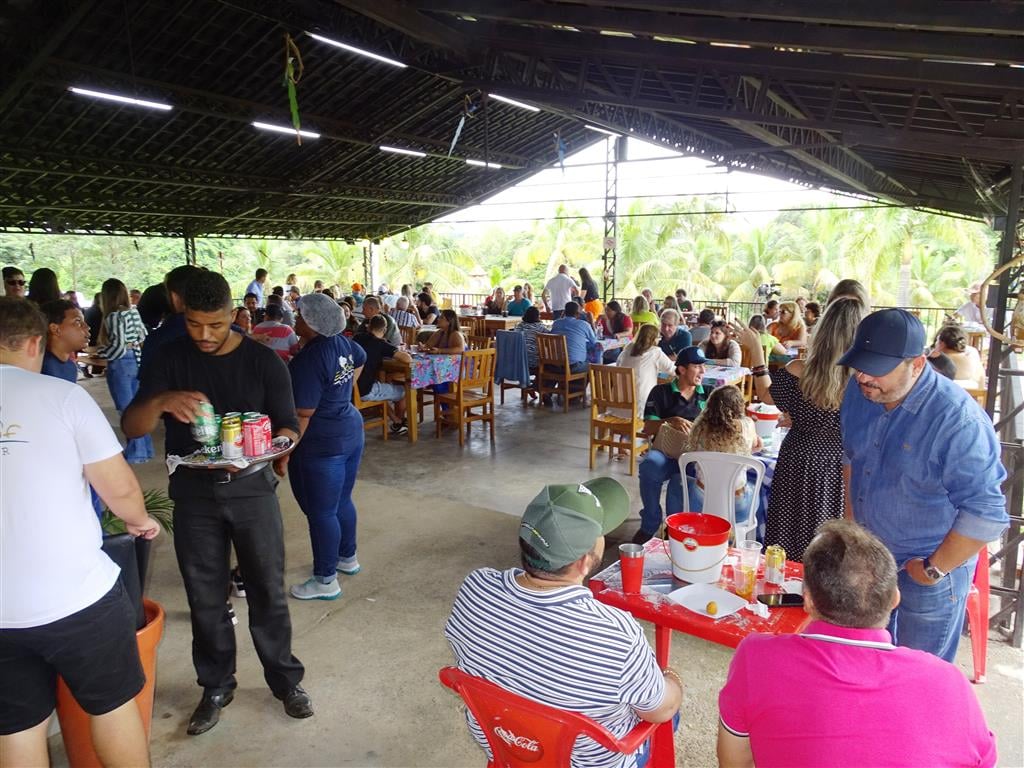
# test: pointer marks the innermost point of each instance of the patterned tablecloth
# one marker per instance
(720, 375)
(433, 369)
(595, 353)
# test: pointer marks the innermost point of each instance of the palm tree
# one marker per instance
(433, 254)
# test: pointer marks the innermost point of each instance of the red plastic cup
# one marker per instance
(631, 561)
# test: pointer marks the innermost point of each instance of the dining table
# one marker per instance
(424, 370)
(654, 605)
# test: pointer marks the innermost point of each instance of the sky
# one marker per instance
(650, 171)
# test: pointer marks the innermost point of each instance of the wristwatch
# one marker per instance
(932, 571)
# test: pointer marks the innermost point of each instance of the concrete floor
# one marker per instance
(428, 514)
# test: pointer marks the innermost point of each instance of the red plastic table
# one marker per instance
(668, 616)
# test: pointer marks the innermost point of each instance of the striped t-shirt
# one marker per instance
(559, 647)
(125, 332)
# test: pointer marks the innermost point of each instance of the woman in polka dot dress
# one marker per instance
(807, 487)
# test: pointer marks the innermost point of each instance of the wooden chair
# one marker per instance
(721, 310)
(409, 335)
(478, 326)
(613, 387)
(553, 374)
(525, 387)
(474, 389)
(366, 407)
(747, 385)
(479, 342)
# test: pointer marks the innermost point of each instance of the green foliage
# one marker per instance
(902, 255)
(158, 505)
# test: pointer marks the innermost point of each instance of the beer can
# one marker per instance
(231, 440)
(775, 565)
(204, 428)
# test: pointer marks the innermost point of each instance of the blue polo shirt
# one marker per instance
(323, 374)
(680, 341)
(928, 466)
(67, 370)
(579, 337)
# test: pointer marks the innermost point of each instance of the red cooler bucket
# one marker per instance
(697, 544)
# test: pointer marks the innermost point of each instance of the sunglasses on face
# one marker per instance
(15, 282)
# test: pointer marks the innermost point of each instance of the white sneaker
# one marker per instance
(311, 589)
(349, 567)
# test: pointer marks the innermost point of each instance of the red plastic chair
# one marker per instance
(977, 616)
(522, 732)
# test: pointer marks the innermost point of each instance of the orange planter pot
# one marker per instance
(74, 721)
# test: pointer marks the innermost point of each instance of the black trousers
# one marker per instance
(210, 516)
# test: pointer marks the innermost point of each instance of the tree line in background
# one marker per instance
(904, 256)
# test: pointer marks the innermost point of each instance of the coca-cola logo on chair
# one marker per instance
(524, 748)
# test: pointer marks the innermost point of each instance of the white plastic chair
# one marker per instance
(720, 474)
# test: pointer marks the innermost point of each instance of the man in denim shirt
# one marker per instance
(923, 473)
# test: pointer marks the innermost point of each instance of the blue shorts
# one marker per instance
(383, 390)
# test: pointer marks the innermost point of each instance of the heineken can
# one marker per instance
(204, 428)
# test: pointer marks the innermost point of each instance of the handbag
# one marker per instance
(671, 441)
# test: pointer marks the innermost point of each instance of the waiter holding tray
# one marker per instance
(215, 509)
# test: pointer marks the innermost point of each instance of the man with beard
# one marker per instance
(214, 509)
(922, 472)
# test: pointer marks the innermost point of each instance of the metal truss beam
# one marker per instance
(989, 82)
(1005, 48)
(46, 164)
(1000, 17)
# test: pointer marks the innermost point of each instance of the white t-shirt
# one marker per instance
(51, 564)
(560, 286)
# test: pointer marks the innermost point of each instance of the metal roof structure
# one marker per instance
(915, 102)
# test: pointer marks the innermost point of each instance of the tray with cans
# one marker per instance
(234, 439)
(279, 446)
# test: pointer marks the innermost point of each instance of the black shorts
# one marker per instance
(94, 650)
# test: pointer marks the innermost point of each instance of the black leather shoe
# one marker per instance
(207, 714)
(297, 703)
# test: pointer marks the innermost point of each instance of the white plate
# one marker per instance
(696, 597)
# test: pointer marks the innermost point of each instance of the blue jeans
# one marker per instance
(655, 469)
(931, 618)
(123, 383)
(743, 501)
(323, 487)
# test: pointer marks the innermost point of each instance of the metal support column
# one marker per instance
(190, 250)
(616, 151)
(1003, 386)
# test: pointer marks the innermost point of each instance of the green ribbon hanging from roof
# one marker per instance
(292, 74)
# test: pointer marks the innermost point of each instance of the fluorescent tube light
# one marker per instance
(285, 129)
(514, 103)
(118, 98)
(360, 51)
(598, 129)
(481, 163)
(402, 151)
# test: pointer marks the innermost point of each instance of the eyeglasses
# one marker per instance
(15, 282)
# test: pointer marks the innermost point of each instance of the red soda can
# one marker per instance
(253, 440)
(268, 432)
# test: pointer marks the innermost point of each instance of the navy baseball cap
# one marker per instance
(884, 339)
(690, 356)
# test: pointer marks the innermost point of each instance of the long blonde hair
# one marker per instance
(823, 382)
(645, 339)
(640, 305)
(113, 298)
(719, 427)
(796, 322)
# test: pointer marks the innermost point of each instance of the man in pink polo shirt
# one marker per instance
(841, 693)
